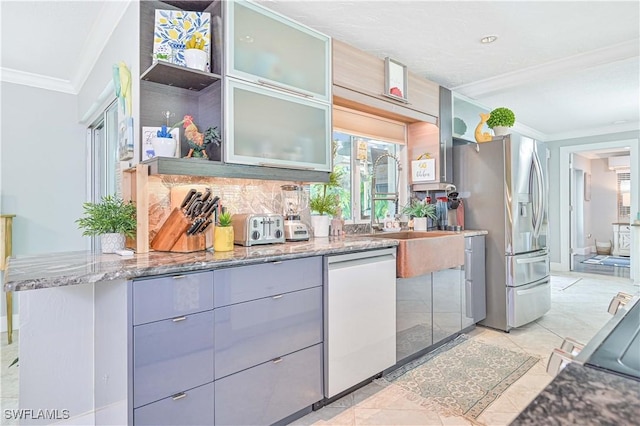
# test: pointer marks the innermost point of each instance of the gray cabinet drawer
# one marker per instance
(269, 392)
(235, 285)
(168, 297)
(192, 407)
(247, 334)
(171, 356)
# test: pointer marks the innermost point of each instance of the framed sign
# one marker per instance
(395, 79)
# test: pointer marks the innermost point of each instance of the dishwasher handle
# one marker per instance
(363, 256)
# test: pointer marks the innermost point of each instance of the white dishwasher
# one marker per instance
(360, 317)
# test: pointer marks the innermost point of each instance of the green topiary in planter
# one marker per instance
(501, 117)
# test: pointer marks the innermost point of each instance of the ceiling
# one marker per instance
(566, 68)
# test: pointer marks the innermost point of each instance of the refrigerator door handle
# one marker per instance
(540, 199)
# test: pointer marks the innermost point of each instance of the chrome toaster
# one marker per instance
(250, 229)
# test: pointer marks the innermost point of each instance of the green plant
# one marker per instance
(501, 117)
(110, 215)
(325, 198)
(224, 219)
(417, 208)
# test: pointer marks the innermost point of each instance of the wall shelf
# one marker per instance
(179, 76)
(206, 168)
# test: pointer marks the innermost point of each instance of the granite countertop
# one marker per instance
(581, 395)
(85, 267)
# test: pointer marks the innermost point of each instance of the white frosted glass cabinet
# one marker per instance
(270, 128)
(277, 90)
(270, 49)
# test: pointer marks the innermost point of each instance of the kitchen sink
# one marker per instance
(422, 252)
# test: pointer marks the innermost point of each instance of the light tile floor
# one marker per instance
(579, 310)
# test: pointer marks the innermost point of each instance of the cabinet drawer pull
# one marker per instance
(277, 360)
(178, 319)
(179, 277)
(279, 296)
(284, 89)
(178, 396)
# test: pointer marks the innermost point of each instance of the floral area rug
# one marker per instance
(462, 377)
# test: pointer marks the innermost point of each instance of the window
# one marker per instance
(624, 196)
(354, 160)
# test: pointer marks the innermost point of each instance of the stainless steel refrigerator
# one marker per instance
(505, 188)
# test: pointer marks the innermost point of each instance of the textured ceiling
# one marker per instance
(566, 68)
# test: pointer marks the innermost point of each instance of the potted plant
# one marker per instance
(112, 219)
(325, 202)
(420, 211)
(500, 120)
(223, 233)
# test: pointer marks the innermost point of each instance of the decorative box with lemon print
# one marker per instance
(177, 30)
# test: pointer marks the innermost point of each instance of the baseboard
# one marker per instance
(3, 323)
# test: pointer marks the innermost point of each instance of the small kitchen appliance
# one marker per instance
(250, 229)
(294, 200)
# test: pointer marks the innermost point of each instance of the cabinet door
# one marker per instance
(271, 391)
(247, 334)
(447, 303)
(414, 319)
(269, 128)
(171, 356)
(474, 303)
(192, 407)
(268, 48)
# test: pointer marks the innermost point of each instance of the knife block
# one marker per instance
(190, 243)
(172, 229)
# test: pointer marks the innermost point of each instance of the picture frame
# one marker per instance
(395, 80)
(147, 134)
(174, 28)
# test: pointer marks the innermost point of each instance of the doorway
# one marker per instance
(577, 244)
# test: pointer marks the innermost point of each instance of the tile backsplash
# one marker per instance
(237, 195)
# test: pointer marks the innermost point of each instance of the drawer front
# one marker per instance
(235, 285)
(169, 297)
(250, 333)
(269, 392)
(171, 356)
(192, 407)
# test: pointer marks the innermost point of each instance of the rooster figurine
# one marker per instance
(195, 139)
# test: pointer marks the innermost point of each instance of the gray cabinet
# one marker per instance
(268, 340)
(247, 334)
(193, 407)
(447, 302)
(474, 302)
(173, 349)
(270, 391)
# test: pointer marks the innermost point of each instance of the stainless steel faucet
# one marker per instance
(383, 196)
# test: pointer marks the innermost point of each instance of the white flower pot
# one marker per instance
(419, 223)
(195, 58)
(501, 130)
(112, 242)
(164, 147)
(320, 225)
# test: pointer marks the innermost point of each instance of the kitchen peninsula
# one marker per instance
(91, 324)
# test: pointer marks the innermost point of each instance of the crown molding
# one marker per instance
(110, 16)
(10, 75)
(493, 85)
(596, 131)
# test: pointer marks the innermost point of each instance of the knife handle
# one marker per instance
(187, 198)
